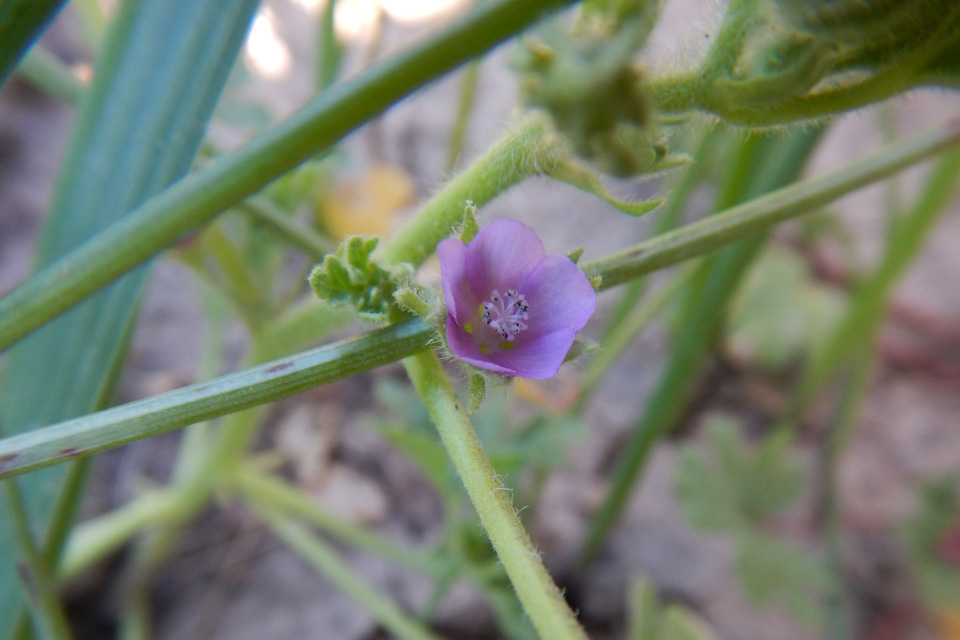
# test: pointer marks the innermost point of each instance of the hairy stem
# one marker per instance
(540, 597)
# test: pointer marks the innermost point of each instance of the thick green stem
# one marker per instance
(165, 218)
(254, 386)
(540, 597)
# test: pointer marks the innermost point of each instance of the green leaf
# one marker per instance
(772, 571)
(708, 497)
(470, 227)
(581, 178)
(21, 23)
(161, 71)
(780, 313)
(478, 391)
(649, 620)
(738, 487)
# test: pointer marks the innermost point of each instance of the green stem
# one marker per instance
(46, 72)
(329, 49)
(468, 91)
(528, 150)
(37, 582)
(259, 487)
(540, 597)
(227, 394)
(759, 214)
(95, 538)
(300, 236)
(230, 178)
(247, 388)
(624, 332)
(861, 324)
(326, 560)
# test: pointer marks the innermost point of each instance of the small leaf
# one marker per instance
(410, 300)
(478, 390)
(470, 227)
(707, 497)
(579, 177)
(575, 255)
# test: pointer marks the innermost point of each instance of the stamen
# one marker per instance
(506, 318)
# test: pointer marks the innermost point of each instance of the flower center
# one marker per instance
(506, 314)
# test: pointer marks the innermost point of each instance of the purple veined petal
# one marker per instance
(463, 345)
(560, 297)
(461, 302)
(537, 358)
(501, 255)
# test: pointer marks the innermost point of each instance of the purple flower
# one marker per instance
(511, 308)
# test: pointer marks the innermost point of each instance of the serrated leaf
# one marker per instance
(737, 487)
(772, 571)
(123, 149)
(781, 313)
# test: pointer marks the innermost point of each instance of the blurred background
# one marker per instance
(741, 533)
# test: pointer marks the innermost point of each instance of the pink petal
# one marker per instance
(466, 348)
(560, 296)
(538, 358)
(461, 302)
(501, 255)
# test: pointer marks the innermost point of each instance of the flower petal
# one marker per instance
(501, 255)
(538, 358)
(461, 302)
(560, 296)
(466, 348)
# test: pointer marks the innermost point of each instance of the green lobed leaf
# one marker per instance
(772, 571)
(138, 130)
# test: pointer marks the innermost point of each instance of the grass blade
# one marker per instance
(160, 74)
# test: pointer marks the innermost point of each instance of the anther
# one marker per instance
(506, 318)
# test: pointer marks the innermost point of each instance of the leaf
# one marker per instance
(649, 620)
(737, 487)
(708, 499)
(780, 313)
(771, 571)
(581, 178)
(138, 130)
